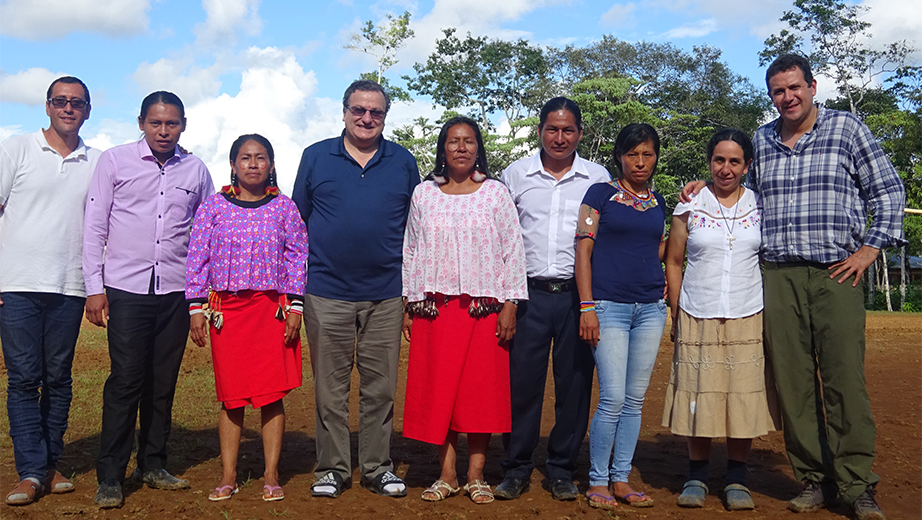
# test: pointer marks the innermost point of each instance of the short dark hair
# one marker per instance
(481, 162)
(731, 134)
(69, 79)
(631, 136)
(786, 62)
(561, 103)
(366, 85)
(162, 96)
(242, 140)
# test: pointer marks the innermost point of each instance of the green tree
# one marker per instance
(838, 46)
(382, 42)
(482, 75)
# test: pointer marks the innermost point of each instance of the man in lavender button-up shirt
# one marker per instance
(136, 235)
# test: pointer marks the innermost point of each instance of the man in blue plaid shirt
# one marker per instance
(819, 171)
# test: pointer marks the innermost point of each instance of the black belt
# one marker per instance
(552, 286)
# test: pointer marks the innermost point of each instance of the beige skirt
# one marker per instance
(720, 383)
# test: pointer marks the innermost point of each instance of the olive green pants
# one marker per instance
(814, 334)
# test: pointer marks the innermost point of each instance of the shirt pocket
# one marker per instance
(569, 217)
(180, 202)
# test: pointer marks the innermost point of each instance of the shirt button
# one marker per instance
(161, 193)
(159, 216)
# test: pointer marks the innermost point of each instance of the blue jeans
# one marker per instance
(39, 332)
(629, 334)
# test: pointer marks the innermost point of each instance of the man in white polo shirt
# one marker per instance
(44, 178)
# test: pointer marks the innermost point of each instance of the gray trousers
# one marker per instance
(366, 333)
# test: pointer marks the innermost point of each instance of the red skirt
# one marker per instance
(252, 363)
(458, 375)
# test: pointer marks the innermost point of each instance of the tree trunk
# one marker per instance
(903, 278)
(886, 280)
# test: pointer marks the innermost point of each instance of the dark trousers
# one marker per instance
(545, 317)
(147, 337)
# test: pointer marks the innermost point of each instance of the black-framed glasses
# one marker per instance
(61, 102)
(357, 111)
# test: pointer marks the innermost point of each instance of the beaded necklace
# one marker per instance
(627, 197)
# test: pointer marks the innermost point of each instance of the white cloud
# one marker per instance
(191, 82)
(276, 99)
(620, 15)
(28, 86)
(9, 131)
(51, 19)
(893, 20)
(692, 30)
(479, 17)
(224, 18)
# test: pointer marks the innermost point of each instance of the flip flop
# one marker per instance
(216, 495)
(600, 505)
(638, 503)
(271, 492)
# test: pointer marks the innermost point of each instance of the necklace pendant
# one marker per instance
(730, 239)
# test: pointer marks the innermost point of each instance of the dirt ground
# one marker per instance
(893, 372)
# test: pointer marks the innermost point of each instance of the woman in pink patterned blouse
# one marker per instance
(245, 275)
(463, 274)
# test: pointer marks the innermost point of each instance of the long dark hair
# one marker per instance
(440, 168)
(272, 181)
(162, 96)
(561, 103)
(631, 136)
(731, 134)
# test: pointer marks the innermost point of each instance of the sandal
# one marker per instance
(58, 484)
(26, 492)
(603, 504)
(269, 493)
(637, 503)
(480, 491)
(439, 491)
(218, 494)
(330, 480)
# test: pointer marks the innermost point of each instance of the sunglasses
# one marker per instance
(61, 102)
(377, 115)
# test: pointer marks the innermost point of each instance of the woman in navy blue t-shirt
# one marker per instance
(620, 280)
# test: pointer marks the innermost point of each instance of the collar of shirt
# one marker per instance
(821, 116)
(78, 153)
(339, 148)
(144, 152)
(536, 167)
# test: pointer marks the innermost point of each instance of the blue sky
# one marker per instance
(278, 67)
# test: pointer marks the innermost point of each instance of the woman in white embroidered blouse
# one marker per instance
(463, 272)
(717, 386)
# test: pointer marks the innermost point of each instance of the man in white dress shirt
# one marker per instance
(547, 189)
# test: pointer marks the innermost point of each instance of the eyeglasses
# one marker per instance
(377, 115)
(61, 102)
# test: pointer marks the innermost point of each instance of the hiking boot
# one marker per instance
(865, 506)
(811, 499)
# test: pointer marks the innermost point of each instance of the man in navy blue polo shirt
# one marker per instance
(354, 192)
